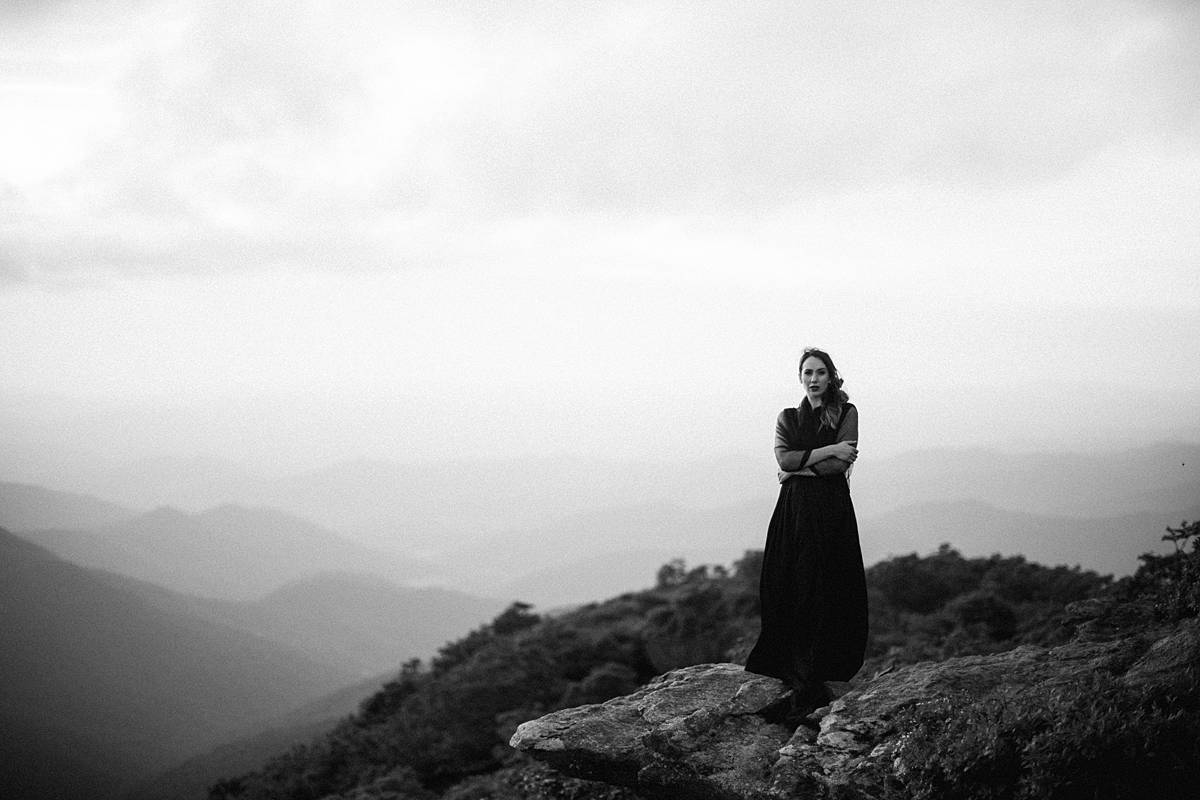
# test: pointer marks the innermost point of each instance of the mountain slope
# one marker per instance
(614, 550)
(1071, 484)
(1105, 544)
(190, 779)
(422, 509)
(27, 507)
(399, 502)
(362, 622)
(530, 557)
(228, 552)
(100, 682)
(604, 575)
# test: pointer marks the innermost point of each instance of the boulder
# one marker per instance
(700, 731)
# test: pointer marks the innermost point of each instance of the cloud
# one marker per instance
(240, 135)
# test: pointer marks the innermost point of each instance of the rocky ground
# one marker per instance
(716, 732)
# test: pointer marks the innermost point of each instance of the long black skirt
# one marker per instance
(813, 591)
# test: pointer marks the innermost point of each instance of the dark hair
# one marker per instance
(834, 397)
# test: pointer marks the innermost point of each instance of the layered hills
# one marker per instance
(27, 507)
(112, 678)
(360, 624)
(102, 686)
(230, 551)
(379, 501)
(507, 527)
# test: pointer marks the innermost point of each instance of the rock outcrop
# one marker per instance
(715, 732)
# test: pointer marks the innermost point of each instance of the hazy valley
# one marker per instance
(508, 529)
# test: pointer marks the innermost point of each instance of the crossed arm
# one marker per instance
(828, 460)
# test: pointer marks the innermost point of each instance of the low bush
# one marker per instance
(1098, 739)
(1173, 580)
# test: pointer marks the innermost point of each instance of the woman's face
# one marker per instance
(814, 377)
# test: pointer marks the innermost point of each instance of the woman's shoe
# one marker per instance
(805, 699)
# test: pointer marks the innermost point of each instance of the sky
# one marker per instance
(290, 233)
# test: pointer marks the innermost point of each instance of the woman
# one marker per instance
(813, 592)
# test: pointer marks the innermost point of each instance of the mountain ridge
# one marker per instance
(230, 551)
(27, 506)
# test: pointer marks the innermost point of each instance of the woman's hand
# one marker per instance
(846, 451)
(829, 466)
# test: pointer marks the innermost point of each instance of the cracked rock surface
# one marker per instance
(693, 732)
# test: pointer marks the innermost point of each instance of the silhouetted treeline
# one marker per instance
(440, 730)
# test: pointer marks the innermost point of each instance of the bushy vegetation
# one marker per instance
(1099, 738)
(440, 730)
(1172, 582)
(944, 605)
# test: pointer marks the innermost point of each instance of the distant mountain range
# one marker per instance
(228, 552)
(364, 623)
(584, 580)
(1109, 545)
(517, 530)
(24, 507)
(431, 508)
(565, 560)
(109, 678)
(1157, 477)
(615, 558)
(101, 686)
(360, 624)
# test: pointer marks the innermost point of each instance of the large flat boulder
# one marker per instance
(700, 731)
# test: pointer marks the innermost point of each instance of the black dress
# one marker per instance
(812, 590)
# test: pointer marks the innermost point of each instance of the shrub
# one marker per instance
(923, 585)
(1173, 581)
(1099, 738)
(985, 613)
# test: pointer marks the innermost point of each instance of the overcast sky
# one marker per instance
(404, 229)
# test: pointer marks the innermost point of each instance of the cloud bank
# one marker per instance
(205, 137)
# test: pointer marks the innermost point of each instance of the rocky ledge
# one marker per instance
(714, 731)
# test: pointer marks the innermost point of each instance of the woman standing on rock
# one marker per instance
(812, 590)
